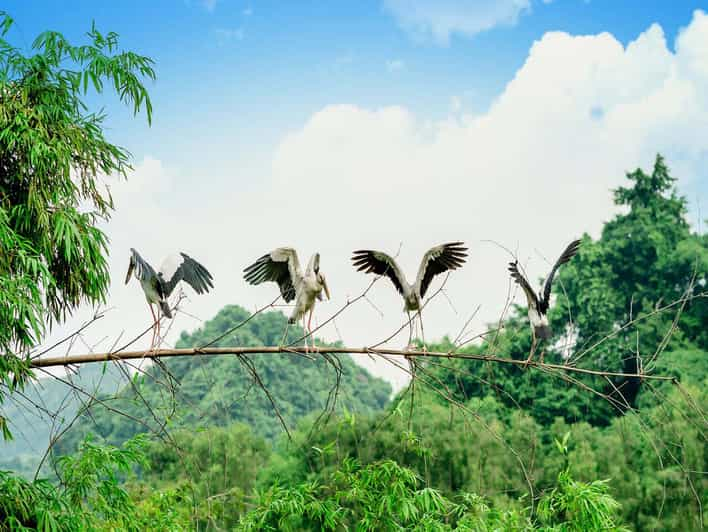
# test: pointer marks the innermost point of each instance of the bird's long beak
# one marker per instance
(326, 288)
(131, 267)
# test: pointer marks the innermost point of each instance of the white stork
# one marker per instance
(539, 303)
(283, 267)
(436, 260)
(158, 286)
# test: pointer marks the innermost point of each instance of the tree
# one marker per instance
(217, 467)
(52, 147)
(616, 289)
(646, 258)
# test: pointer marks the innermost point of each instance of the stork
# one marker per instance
(538, 303)
(283, 267)
(158, 286)
(436, 260)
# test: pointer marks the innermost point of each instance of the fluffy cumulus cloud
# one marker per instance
(439, 19)
(531, 173)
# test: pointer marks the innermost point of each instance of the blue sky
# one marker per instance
(393, 125)
(238, 74)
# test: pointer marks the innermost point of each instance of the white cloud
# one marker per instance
(439, 19)
(532, 172)
(395, 65)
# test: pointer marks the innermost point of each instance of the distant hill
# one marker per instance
(30, 424)
(196, 391)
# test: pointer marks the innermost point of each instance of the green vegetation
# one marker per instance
(90, 496)
(476, 446)
(640, 460)
(469, 454)
(32, 431)
(385, 496)
(52, 254)
(218, 391)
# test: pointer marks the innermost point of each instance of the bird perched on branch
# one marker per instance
(538, 303)
(158, 286)
(283, 267)
(439, 259)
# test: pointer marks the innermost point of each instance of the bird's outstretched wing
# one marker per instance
(439, 259)
(281, 266)
(531, 297)
(182, 267)
(568, 254)
(378, 262)
(143, 270)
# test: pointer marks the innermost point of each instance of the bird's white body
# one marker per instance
(411, 299)
(157, 286)
(536, 319)
(539, 322)
(310, 289)
(150, 290)
(283, 267)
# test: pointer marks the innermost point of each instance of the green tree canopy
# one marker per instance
(647, 258)
(637, 297)
(52, 148)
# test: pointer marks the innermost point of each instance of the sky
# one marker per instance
(393, 125)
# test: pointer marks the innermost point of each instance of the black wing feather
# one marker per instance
(370, 261)
(191, 272)
(441, 259)
(266, 269)
(523, 282)
(568, 254)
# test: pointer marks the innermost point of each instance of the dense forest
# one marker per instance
(292, 442)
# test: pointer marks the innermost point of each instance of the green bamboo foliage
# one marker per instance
(52, 148)
(53, 256)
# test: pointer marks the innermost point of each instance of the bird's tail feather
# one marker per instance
(165, 307)
(543, 332)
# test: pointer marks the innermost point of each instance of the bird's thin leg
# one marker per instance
(304, 330)
(159, 328)
(422, 332)
(309, 328)
(154, 324)
(285, 334)
(540, 358)
(410, 330)
(533, 347)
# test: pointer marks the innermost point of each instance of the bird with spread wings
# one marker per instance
(159, 285)
(283, 267)
(437, 260)
(538, 303)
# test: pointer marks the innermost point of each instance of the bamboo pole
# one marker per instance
(45, 362)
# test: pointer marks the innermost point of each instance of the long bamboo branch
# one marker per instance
(46, 362)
